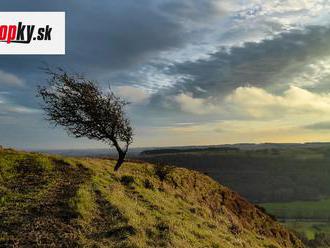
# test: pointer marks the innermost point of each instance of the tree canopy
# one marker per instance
(84, 110)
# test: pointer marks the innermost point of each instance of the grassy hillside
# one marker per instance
(52, 201)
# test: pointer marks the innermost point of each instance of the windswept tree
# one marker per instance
(84, 110)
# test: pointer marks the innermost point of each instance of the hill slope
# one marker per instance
(53, 201)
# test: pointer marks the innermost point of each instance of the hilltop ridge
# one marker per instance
(57, 201)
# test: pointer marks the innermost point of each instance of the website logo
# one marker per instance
(32, 33)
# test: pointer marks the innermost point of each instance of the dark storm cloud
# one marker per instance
(101, 37)
(105, 34)
(268, 64)
(122, 34)
(192, 10)
(104, 40)
(113, 35)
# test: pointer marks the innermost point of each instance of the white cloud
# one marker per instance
(289, 13)
(22, 110)
(199, 106)
(313, 73)
(10, 79)
(258, 103)
(132, 94)
(256, 115)
(236, 23)
(254, 110)
(7, 107)
(231, 23)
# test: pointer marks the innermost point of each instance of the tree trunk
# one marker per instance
(121, 158)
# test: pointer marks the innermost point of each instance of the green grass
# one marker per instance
(81, 202)
(300, 209)
(309, 229)
(84, 203)
(309, 218)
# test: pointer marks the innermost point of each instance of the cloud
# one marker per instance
(258, 103)
(319, 126)
(9, 79)
(132, 94)
(192, 10)
(193, 53)
(313, 75)
(236, 131)
(22, 110)
(9, 108)
(12, 109)
(272, 63)
(252, 114)
(199, 106)
(104, 36)
(287, 13)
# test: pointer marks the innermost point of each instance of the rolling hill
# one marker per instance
(55, 201)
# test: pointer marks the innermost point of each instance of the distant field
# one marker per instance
(309, 228)
(306, 217)
(315, 210)
(282, 174)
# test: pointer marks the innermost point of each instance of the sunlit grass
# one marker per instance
(142, 205)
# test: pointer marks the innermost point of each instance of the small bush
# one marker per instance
(272, 246)
(163, 230)
(193, 210)
(263, 210)
(161, 171)
(148, 185)
(127, 180)
(234, 229)
(43, 162)
(121, 232)
(212, 226)
(3, 200)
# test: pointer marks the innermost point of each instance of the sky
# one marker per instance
(196, 72)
